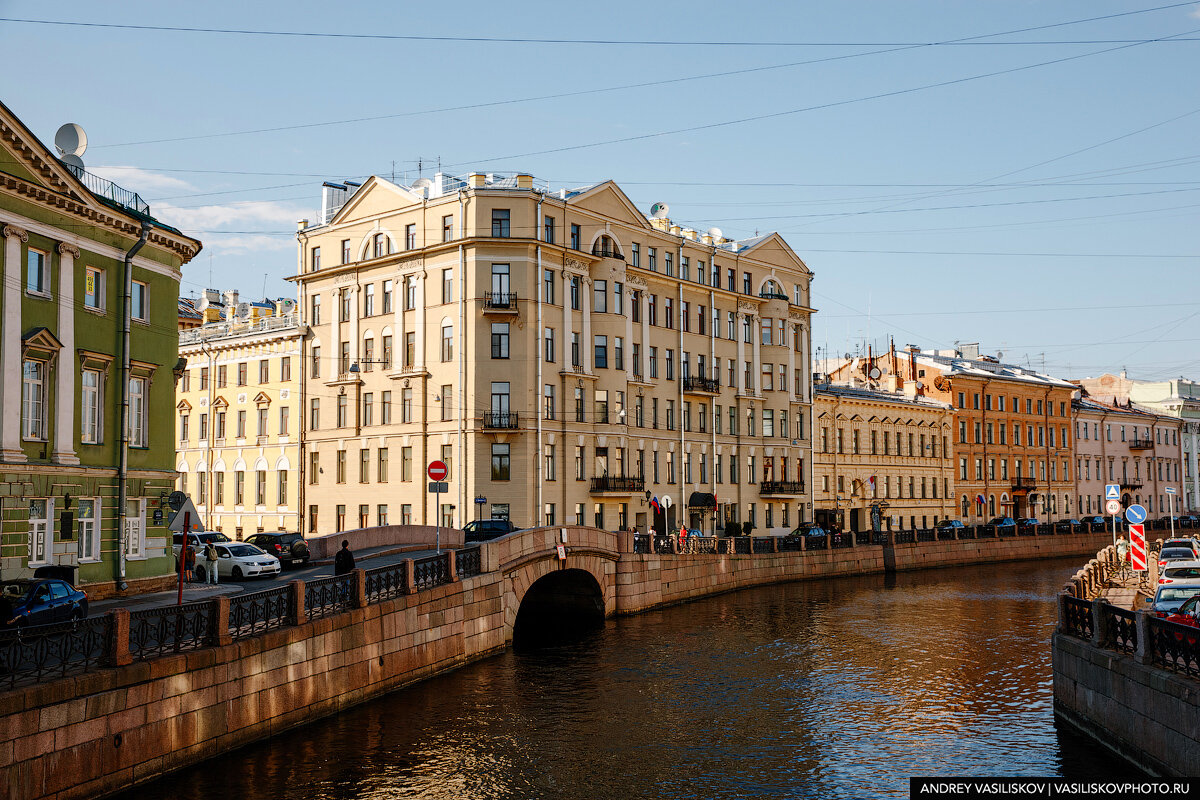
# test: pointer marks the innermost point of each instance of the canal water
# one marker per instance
(833, 689)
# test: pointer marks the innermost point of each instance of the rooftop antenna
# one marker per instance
(420, 168)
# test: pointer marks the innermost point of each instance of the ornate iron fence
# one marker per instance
(641, 543)
(431, 571)
(946, 534)
(905, 537)
(468, 563)
(926, 535)
(791, 544)
(40, 653)
(1077, 617)
(386, 583)
(817, 542)
(1120, 629)
(700, 545)
(257, 612)
(326, 596)
(879, 537)
(841, 540)
(741, 545)
(1175, 647)
(169, 629)
(862, 538)
(762, 544)
(664, 543)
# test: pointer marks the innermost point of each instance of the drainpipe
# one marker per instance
(683, 456)
(462, 361)
(537, 346)
(123, 467)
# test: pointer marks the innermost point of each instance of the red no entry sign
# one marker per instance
(437, 471)
(1137, 547)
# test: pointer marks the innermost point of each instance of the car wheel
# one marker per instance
(237, 573)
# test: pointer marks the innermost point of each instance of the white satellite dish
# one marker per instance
(659, 210)
(243, 310)
(74, 163)
(422, 184)
(714, 233)
(875, 373)
(70, 140)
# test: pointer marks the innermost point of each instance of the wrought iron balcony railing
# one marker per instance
(1141, 444)
(1023, 483)
(500, 301)
(616, 483)
(781, 487)
(696, 383)
(502, 420)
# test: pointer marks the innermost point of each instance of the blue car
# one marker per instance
(40, 601)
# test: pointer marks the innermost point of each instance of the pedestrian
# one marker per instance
(1122, 549)
(210, 568)
(189, 563)
(343, 562)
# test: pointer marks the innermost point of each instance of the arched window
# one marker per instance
(966, 507)
(382, 245)
(606, 247)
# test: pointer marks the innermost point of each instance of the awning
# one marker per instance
(702, 500)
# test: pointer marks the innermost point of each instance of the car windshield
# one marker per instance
(243, 550)
(1186, 543)
(214, 536)
(1175, 573)
(1189, 607)
(16, 590)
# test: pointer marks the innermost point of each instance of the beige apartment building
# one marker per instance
(570, 359)
(882, 460)
(1129, 446)
(239, 424)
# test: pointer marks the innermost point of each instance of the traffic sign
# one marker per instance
(1112, 491)
(439, 487)
(480, 500)
(1113, 507)
(1171, 490)
(667, 501)
(1137, 547)
(437, 471)
(1136, 514)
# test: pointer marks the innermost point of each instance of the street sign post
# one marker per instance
(1171, 508)
(1137, 547)
(1113, 507)
(480, 502)
(1136, 514)
(437, 472)
(1112, 491)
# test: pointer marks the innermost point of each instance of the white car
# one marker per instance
(1180, 572)
(238, 560)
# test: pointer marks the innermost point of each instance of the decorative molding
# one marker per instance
(746, 305)
(13, 230)
(66, 248)
(575, 265)
(633, 282)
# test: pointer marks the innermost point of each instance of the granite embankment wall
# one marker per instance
(108, 730)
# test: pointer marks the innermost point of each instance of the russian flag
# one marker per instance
(656, 505)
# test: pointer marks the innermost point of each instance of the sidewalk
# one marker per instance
(191, 593)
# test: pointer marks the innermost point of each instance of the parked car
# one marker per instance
(1170, 554)
(1180, 570)
(1169, 599)
(1168, 521)
(1026, 522)
(40, 602)
(948, 524)
(239, 560)
(482, 530)
(1003, 522)
(197, 540)
(289, 548)
(1067, 525)
(810, 529)
(1187, 614)
(1092, 520)
(1189, 543)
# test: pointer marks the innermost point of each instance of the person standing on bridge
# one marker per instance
(210, 563)
(343, 562)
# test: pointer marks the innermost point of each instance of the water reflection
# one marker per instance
(838, 689)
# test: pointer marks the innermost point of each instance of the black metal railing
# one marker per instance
(1023, 483)
(1120, 629)
(862, 538)
(1077, 620)
(697, 383)
(772, 296)
(257, 612)
(618, 483)
(40, 653)
(431, 571)
(664, 543)
(762, 544)
(641, 543)
(1141, 444)
(326, 596)
(1134, 484)
(840, 540)
(947, 534)
(468, 563)
(171, 629)
(500, 301)
(700, 545)
(1174, 646)
(925, 535)
(386, 583)
(607, 252)
(505, 420)
(781, 487)
(905, 537)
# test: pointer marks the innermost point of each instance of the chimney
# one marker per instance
(231, 301)
(970, 351)
(476, 180)
(524, 181)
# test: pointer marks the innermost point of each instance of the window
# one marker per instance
(382, 245)
(314, 414)
(410, 292)
(135, 528)
(447, 402)
(499, 340)
(88, 514)
(548, 230)
(239, 487)
(241, 424)
(549, 345)
(386, 354)
(600, 296)
(262, 421)
(37, 278)
(447, 343)
(448, 460)
(341, 411)
(601, 343)
(137, 412)
(500, 220)
(406, 405)
(410, 237)
(284, 411)
(652, 259)
(500, 462)
(260, 487)
(241, 374)
(387, 297)
(364, 464)
(39, 530)
(548, 285)
(93, 289)
(447, 228)
(381, 465)
(369, 300)
(575, 236)
(90, 416)
(345, 251)
(341, 466)
(448, 286)
(368, 409)
(137, 308)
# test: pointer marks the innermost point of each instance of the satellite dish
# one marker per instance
(422, 185)
(202, 303)
(1000, 354)
(714, 233)
(920, 384)
(70, 140)
(659, 210)
(176, 500)
(875, 373)
(73, 162)
(243, 310)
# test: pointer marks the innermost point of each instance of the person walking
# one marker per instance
(210, 567)
(189, 563)
(343, 562)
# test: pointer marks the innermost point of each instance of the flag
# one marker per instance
(656, 505)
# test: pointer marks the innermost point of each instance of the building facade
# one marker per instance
(80, 489)
(570, 359)
(238, 415)
(1179, 398)
(881, 460)
(1012, 437)
(1129, 446)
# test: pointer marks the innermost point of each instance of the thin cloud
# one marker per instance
(142, 181)
(247, 243)
(236, 216)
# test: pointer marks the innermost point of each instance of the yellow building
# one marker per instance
(238, 415)
(882, 460)
(569, 358)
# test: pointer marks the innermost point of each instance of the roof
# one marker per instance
(988, 368)
(1087, 404)
(187, 309)
(876, 395)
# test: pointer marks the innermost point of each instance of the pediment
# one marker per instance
(262, 397)
(183, 405)
(775, 249)
(375, 196)
(609, 201)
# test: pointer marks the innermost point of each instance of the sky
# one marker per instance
(1018, 173)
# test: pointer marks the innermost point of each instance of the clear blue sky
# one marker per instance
(1049, 212)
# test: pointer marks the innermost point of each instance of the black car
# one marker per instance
(949, 523)
(289, 548)
(40, 602)
(1067, 525)
(1093, 520)
(482, 530)
(1027, 522)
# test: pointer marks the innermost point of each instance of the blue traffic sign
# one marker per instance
(1135, 514)
(1112, 492)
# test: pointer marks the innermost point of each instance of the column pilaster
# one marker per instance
(10, 347)
(64, 399)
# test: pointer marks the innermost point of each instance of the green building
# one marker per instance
(78, 489)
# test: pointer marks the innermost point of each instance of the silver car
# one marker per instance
(1169, 598)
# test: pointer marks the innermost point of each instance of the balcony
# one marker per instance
(1141, 444)
(781, 487)
(699, 385)
(500, 303)
(617, 485)
(1023, 484)
(500, 420)
(772, 296)
(1132, 485)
